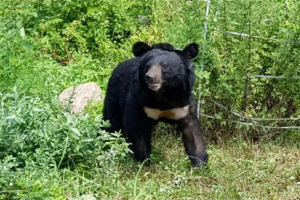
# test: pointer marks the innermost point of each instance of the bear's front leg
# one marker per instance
(138, 129)
(193, 139)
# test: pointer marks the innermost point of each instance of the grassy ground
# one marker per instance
(236, 170)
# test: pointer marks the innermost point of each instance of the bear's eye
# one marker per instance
(163, 64)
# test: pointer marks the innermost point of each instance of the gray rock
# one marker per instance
(77, 97)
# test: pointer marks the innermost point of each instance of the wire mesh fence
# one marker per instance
(252, 60)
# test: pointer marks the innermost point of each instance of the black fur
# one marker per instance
(128, 94)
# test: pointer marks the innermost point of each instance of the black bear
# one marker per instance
(155, 85)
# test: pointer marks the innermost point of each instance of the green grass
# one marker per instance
(236, 170)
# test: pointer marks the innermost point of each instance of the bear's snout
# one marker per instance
(149, 78)
(153, 77)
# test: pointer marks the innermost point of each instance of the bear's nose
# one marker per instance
(149, 78)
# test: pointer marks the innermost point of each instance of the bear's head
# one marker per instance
(163, 68)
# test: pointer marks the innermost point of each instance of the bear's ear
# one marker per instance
(191, 50)
(140, 48)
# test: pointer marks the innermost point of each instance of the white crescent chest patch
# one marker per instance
(175, 113)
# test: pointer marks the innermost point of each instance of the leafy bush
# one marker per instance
(36, 133)
(37, 140)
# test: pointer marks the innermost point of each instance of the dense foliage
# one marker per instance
(48, 45)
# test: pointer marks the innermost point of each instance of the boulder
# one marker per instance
(77, 97)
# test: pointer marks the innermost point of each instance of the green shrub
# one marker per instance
(37, 133)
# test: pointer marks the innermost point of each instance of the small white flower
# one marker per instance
(189, 3)
(22, 32)
(292, 178)
(11, 184)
